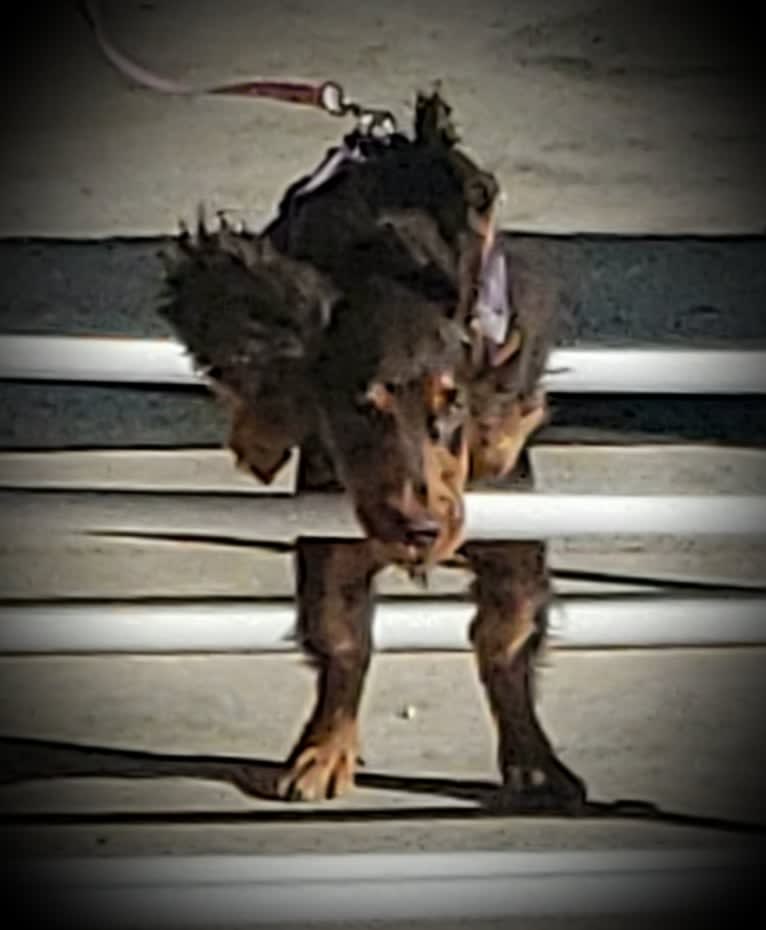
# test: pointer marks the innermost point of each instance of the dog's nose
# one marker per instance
(422, 532)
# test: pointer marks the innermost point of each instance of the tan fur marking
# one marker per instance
(325, 767)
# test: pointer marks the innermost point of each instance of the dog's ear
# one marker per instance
(253, 321)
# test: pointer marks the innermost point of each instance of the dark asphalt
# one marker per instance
(711, 292)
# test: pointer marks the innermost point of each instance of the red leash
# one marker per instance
(326, 95)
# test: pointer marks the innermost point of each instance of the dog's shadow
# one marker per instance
(24, 759)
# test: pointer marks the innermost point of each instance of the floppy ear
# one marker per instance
(252, 319)
(262, 438)
(239, 306)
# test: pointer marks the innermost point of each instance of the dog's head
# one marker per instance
(393, 415)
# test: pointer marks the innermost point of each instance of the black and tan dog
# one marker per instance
(378, 325)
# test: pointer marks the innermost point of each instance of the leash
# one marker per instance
(327, 96)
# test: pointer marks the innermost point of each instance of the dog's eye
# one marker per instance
(441, 393)
(380, 395)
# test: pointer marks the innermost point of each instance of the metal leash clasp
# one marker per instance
(370, 121)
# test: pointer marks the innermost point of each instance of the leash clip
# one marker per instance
(370, 121)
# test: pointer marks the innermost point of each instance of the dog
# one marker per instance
(380, 325)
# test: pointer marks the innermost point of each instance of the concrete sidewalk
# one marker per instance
(595, 118)
(34, 566)
(677, 728)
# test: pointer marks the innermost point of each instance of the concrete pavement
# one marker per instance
(596, 117)
(680, 728)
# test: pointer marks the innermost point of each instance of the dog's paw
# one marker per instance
(548, 787)
(321, 767)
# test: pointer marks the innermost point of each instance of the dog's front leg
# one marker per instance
(511, 592)
(335, 609)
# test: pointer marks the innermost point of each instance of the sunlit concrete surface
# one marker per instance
(679, 728)
(604, 118)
